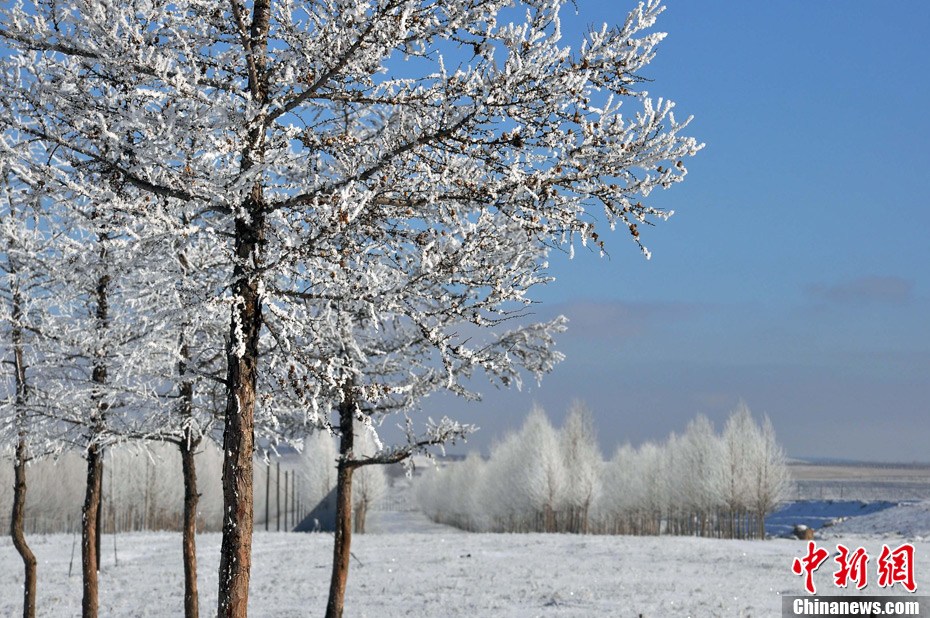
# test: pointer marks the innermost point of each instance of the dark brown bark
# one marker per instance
(189, 542)
(99, 534)
(238, 443)
(89, 531)
(242, 350)
(343, 534)
(17, 530)
(188, 446)
(90, 528)
(18, 516)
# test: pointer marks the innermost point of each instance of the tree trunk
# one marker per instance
(286, 497)
(99, 533)
(343, 534)
(17, 530)
(189, 543)
(238, 443)
(239, 432)
(89, 531)
(18, 516)
(242, 349)
(188, 445)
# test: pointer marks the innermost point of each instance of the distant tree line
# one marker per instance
(541, 479)
(143, 489)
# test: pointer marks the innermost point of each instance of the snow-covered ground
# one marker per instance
(438, 571)
(910, 520)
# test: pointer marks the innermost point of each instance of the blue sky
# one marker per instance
(795, 274)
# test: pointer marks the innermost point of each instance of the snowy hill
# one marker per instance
(819, 514)
(908, 520)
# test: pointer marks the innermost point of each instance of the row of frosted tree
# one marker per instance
(318, 477)
(143, 489)
(254, 220)
(543, 479)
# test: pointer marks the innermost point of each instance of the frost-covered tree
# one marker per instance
(740, 436)
(395, 118)
(95, 392)
(675, 487)
(75, 344)
(700, 472)
(369, 484)
(470, 486)
(676, 515)
(458, 494)
(522, 487)
(110, 357)
(178, 295)
(24, 291)
(432, 310)
(770, 476)
(654, 481)
(583, 462)
(137, 340)
(503, 497)
(543, 482)
(317, 470)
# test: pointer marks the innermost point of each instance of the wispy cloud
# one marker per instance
(618, 319)
(862, 290)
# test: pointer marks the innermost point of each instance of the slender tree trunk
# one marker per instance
(99, 533)
(17, 530)
(343, 535)
(18, 516)
(188, 446)
(189, 543)
(89, 531)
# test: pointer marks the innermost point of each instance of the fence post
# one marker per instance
(286, 496)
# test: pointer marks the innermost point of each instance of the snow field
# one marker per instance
(445, 573)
